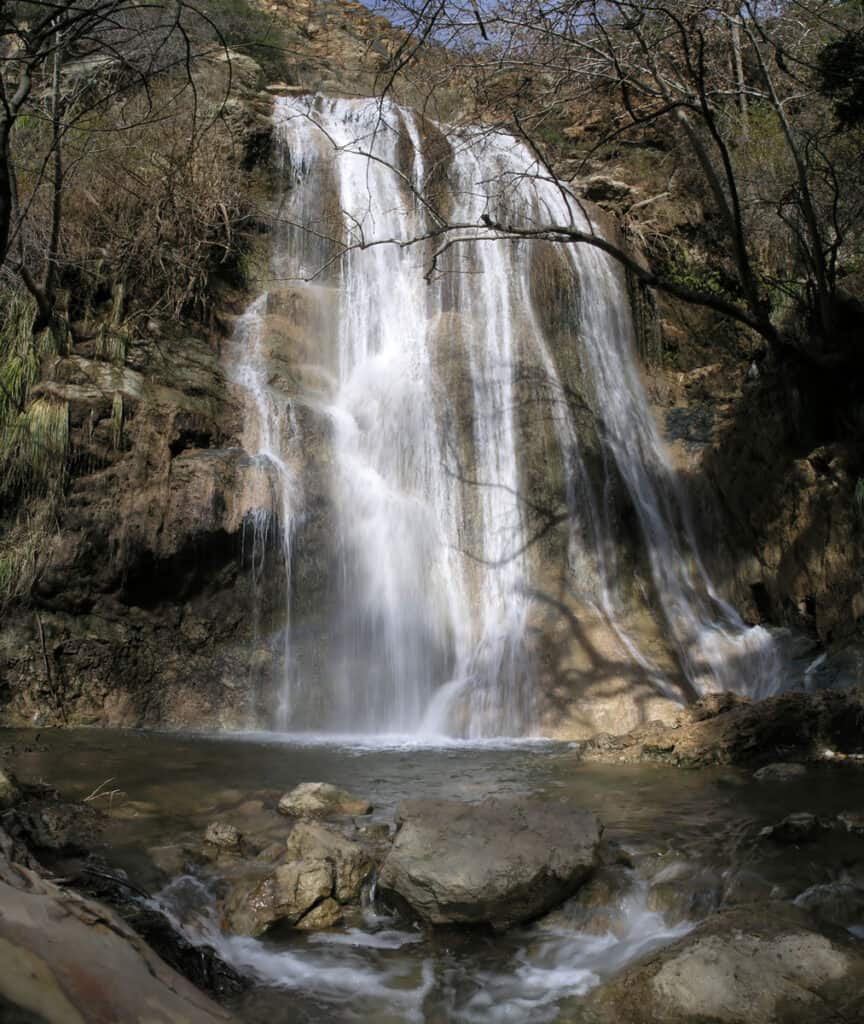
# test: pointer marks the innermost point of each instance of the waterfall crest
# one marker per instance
(459, 376)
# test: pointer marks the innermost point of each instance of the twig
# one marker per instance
(57, 703)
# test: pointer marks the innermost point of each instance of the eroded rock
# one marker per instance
(499, 862)
(351, 865)
(321, 800)
(287, 894)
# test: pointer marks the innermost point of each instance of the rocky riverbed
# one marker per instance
(331, 880)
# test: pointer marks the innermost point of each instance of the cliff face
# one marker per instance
(146, 607)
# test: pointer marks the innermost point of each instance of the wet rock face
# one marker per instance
(764, 964)
(499, 863)
(287, 894)
(58, 944)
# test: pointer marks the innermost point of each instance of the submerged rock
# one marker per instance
(801, 827)
(224, 836)
(321, 800)
(764, 964)
(780, 771)
(499, 862)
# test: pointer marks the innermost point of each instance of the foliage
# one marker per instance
(840, 67)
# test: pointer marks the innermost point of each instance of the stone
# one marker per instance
(351, 865)
(56, 826)
(841, 903)
(174, 859)
(600, 188)
(324, 915)
(801, 827)
(499, 862)
(321, 800)
(764, 964)
(55, 948)
(224, 836)
(734, 730)
(780, 772)
(852, 821)
(680, 893)
(10, 794)
(287, 894)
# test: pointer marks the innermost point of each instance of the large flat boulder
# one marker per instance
(68, 959)
(766, 963)
(499, 862)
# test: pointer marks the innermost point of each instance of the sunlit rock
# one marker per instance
(351, 865)
(321, 800)
(290, 892)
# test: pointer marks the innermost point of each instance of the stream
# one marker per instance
(691, 839)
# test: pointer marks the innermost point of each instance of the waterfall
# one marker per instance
(438, 355)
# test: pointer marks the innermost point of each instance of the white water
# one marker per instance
(422, 389)
(382, 971)
(270, 428)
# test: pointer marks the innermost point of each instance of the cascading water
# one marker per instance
(423, 392)
(270, 428)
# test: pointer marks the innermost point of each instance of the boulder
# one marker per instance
(852, 821)
(351, 865)
(499, 862)
(801, 827)
(287, 894)
(762, 964)
(66, 958)
(321, 800)
(779, 771)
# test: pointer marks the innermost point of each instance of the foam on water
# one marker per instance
(383, 972)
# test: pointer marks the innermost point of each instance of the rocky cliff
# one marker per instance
(146, 607)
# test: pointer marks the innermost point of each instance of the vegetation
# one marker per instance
(754, 105)
(123, 194)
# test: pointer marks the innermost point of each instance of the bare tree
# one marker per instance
(61, 63)
(730, 86)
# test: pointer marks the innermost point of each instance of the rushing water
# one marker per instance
(422, 378)
(698, 830)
